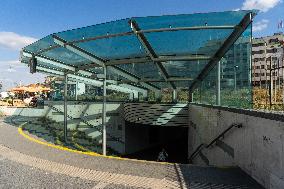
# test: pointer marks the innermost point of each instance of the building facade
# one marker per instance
(267, 61)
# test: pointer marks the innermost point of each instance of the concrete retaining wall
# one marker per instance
(257, 147)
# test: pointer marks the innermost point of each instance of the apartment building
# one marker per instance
(267, 61)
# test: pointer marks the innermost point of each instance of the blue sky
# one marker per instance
(23, 21)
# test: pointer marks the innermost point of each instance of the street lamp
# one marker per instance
(235, 77)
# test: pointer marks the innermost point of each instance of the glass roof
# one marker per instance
(182, 44)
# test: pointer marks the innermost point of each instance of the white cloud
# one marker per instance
(262, 5)
(14, 41)
(11, 70)
(260, 25)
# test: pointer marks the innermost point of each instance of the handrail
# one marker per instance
(203, 145)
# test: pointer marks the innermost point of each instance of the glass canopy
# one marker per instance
(149, 52)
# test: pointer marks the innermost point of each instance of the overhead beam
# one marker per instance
(99, 61)
(172, 29)
(133, 78)
(107, 36)
(158, 80)
(60, 65)
(121, 88)
(239, 29)
(142, 60)
(71, 75)
(150, 51)
(77, 50)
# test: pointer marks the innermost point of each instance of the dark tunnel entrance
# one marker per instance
(144, 142)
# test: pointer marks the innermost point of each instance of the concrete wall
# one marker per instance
(257, 147)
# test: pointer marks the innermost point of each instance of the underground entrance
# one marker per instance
(145, 142)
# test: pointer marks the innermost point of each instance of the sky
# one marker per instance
(25, 21)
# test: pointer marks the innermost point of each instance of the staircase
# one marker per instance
(91, 131)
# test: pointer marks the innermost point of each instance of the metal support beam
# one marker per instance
(239, 29)
(150, 51)
(125, 88)
(141, 60)
(153, 31)
(65, 107)
(104, 112)
(218, 86)
(133, 78)
(100, 61)
(59, 65)
(158, 80)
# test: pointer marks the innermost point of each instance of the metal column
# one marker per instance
(104, 111)
(65, 106)
(76, 91)
(174, 95)
(218, 86)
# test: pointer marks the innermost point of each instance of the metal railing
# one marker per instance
(203, 145)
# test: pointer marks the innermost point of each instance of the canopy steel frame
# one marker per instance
(59, 64)
(68, 69)
(142, 60)
(100, 61)
(126, 88)
(159, 80)
(239, 29)
(150, 51)
(79, 51)
(151, 31)
(107, 36)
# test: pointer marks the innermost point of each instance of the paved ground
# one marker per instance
(25, 164)
(15, 175)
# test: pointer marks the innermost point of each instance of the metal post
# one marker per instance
(271, 84)
(76, 91)
(104, 112)
(235, 78)
(218, 87)
(190, 96)
(65, 106)
(174, 95)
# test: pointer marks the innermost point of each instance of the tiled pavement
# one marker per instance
(99, 172)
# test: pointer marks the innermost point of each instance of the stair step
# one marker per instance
(57, 113)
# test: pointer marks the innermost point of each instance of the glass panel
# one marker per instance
(119, 26)
(44, 43)
(197, 42)
(115, 48)
(188, 20)
(145, 70)
(64, 55)
(236, 90)
(188, 69)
